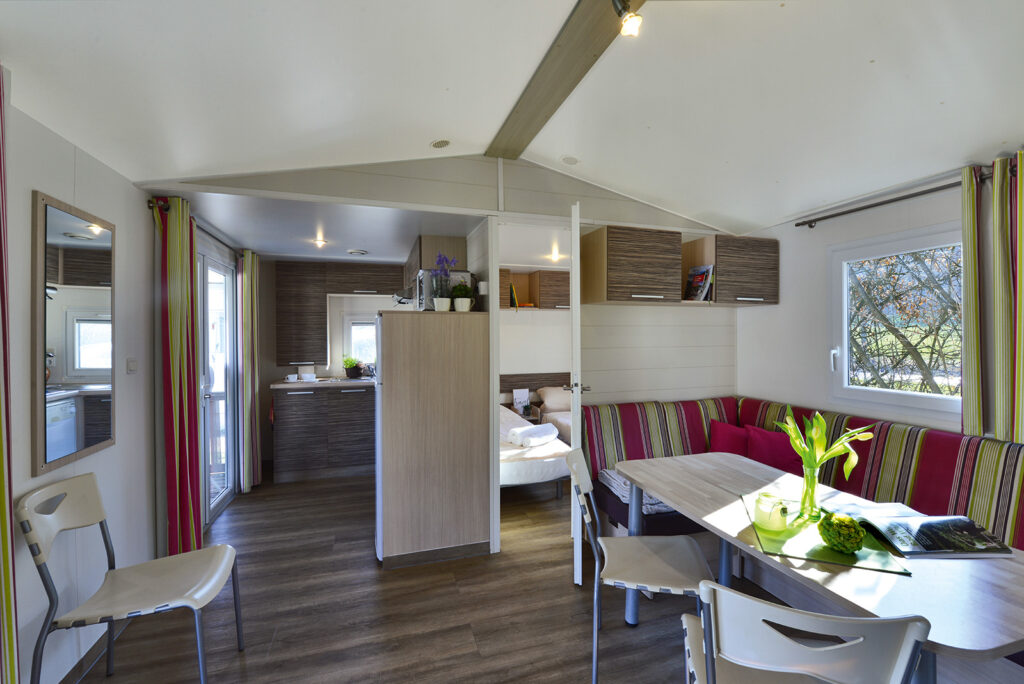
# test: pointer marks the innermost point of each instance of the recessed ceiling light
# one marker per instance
(79, 236)
(96, 230)
(570, 160)
(440, 143)
(320, 242)
(358, 252)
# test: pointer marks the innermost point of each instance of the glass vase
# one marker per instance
(442, 286)
(809, 510)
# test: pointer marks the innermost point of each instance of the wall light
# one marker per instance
(320, 242)
(554, 256)
(96, 230)
(630, 20)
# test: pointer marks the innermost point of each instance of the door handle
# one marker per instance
(573, 386)
(207, 396)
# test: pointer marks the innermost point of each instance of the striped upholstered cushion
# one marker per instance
(690, 432)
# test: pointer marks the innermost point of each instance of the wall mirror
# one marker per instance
(72, 333)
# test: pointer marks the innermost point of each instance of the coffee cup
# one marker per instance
(291, 377)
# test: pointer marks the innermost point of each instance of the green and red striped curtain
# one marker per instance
(8, 612)
(179, 340)
(1003, 336)
(249, 376)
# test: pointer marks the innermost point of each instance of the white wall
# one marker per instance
(657, 353)
(783, 351)
(535, 341)
(38, 159)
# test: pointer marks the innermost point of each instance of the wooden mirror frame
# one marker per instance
(40, 201)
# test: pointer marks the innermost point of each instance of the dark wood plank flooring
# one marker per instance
(318, 608)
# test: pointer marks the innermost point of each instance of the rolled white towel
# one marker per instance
(533, 435)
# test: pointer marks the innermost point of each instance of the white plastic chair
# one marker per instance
(738, 641)
(665, 565)
(188, 580)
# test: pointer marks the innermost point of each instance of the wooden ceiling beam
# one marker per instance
(590, 29)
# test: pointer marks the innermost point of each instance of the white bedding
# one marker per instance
(561, 420)
(527, 465)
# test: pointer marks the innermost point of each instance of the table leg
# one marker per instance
(724, 563)
(927, 669)
(636, 496)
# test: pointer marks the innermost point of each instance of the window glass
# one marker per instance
(364, 341)
(93, 349)
(903, 321)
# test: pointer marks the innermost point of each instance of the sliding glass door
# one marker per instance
(218, 378)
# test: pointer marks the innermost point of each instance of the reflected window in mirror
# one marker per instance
(73, 329)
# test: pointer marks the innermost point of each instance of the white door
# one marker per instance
(576, 382)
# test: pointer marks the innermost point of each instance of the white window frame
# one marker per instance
(937, 235)
(72, 316)
(355, 319)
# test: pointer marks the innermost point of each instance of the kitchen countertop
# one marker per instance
(56, 394)
(322, 383)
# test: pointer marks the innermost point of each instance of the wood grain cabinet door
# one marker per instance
(345, 278)
(504, 282)
(86, 267)
(301, 307)
(300, 433)
(746, 270)
(643, 265)
(550, 289)
(97, 418)
(350, 430)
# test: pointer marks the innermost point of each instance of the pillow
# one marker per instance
(555, 398)
(546, 410)
(774, 449)
(731, 439)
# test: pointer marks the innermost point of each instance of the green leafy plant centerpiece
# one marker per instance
(353, 366)
(462, 291)
(813, 449)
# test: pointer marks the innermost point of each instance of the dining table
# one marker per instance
(975, 605)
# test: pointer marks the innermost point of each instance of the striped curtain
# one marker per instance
(249, 374)
(1004, 334)
(180, 344)
(8, 613)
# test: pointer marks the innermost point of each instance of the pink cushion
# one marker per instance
(774, 449)
(731, 439)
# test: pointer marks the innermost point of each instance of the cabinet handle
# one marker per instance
(105, 401)
(566, 306)
(364, 292)
(636, 296)
(301, 363)
(750, 299)
(309, 392)
(356, 390)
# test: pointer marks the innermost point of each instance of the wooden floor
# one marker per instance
(318, 608)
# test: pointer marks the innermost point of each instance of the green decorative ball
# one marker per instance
(841, 532)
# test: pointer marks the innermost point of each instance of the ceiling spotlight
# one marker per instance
(554, 256)
(358, 252)
(320, 242)
(96, 230)
(630, 20)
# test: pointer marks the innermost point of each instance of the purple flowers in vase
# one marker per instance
(442, 275)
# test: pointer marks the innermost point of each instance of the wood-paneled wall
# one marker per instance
(637, 353)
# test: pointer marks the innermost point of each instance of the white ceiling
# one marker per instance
(287, 228)
(739, 114)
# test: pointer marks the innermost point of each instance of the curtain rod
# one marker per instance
(163, 204)
(811, 222)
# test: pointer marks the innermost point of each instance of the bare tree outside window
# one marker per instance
(905, 321)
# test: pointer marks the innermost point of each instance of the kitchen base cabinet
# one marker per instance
(323, 431)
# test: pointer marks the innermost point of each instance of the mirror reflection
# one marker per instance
(78, 337)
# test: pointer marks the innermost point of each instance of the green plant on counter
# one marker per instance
(462, 291)
(350, 362)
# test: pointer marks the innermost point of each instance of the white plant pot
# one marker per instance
(442, 303)
(463, 303)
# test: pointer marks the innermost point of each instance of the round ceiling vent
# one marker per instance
(358, 252)
(570, 160)
(80, 236)
(440, 144)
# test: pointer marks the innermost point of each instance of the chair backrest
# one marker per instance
(69, 504)
(579, 472)
(854, 650)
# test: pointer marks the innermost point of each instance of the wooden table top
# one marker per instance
(975, 605)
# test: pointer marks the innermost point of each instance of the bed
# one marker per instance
(529, 465)
(561, 420)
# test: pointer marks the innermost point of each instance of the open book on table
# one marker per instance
(915, 534)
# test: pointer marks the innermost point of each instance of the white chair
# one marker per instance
(738, 640)
(665, 565)
(188, 580)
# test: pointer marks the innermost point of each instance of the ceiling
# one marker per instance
(62, 227)
(271, 226)
(739, 114)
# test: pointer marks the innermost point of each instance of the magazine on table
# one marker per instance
(698, 283)
(915, 534)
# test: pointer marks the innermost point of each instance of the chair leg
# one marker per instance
(238, 606)
(110, 648)
(558, 489)
(37, 654)
(199, 645)
(597, 625)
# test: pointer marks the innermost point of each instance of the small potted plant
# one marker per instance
(353, 367)
(463, 296)
(442, 283)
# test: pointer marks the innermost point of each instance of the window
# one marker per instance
(362, 340)
(90, 348)
(900, 321)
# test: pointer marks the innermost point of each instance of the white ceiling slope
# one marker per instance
(744, 114)
(162, 90)
(737, 114)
